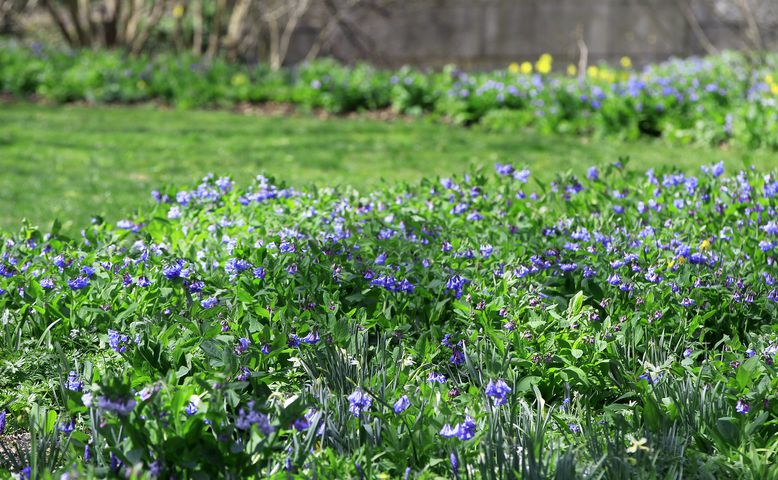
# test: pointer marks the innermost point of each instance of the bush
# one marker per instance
(715, 100)
(619, 326)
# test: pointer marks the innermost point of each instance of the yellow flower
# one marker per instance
(768, 78)
(625, 62)
(239, 79)
(513, 67)
(592, 71)
(636, 445)
(178, 11)
(572, 70)
(681, 260)
(526, 68)
(543, 65)
(141, 85)
(774, 88)
(607, 76)
(705, 245)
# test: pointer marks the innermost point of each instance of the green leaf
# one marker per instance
(729, 430)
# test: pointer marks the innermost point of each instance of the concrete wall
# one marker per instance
(482, 34)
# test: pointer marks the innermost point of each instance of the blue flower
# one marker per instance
(359, 402)
(78, 283)
(312, 337)
(448, 431)
(247, 417)
(486, 250)
(235, 266)
(73, 383)
(688, 302)
(455, 284)
(742, 407)
(457, 356)
(593, 174)
(401, 404)
(504, 169)
(209, 302)
(117, 341)
(118, 406)
(242, 346)
(435, 377)
(499, 391)
(3, 416)
(191, 409)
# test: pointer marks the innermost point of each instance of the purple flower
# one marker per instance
(118, 406)
(467, 428)
(117, 341)
(244, 374)
(173, 270)
(504, 169)
(455, 284)
(359, 402)
(435, 377)
(235, 266)
(688, 302)
(448, 431)
(499, 391)
(742, 407)
(521, 175)
(191, 409)
(209, 302)
(593, 174)
(242, 346)
(73, 383)
(3, 416)
(312, 337)
(247, 417)
(457, 356)
(486, 250)
(78, 283)
(401, 404)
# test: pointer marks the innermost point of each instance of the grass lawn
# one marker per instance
(75, 162)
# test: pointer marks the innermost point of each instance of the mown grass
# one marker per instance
(75, 162)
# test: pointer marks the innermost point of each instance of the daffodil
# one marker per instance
(178, 11)
(526, 68)
(513, 67)
(592, 71)
(625, 62)
(705, 245)
(572, 70)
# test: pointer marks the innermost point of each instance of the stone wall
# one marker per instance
(482, 34)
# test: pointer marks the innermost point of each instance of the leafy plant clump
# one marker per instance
(716, 100)
(617, 326)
